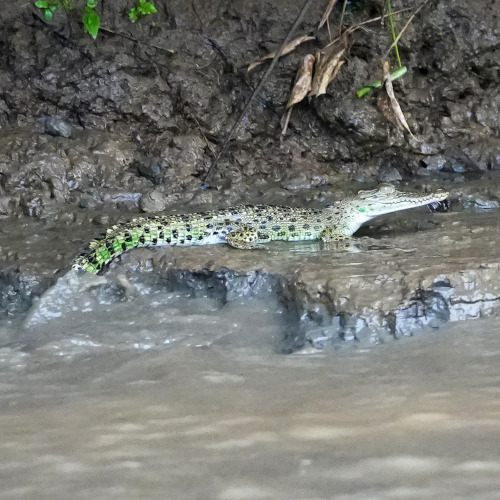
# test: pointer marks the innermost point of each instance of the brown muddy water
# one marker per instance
(156, 395)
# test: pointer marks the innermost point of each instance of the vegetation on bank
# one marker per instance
(90, 17)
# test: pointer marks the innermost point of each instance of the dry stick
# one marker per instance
(127, 37)
(286, 122)
(396, 40)
(306, 6)
(326, 15)
(352, 29)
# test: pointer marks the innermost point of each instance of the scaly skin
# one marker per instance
(246, 227)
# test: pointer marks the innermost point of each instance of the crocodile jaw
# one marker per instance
(387, 199)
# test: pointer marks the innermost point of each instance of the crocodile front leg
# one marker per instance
(333, 234)
(245, 238)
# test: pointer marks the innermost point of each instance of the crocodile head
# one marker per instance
(386, 199)
(350, 214)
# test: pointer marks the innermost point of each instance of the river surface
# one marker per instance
(155, 395)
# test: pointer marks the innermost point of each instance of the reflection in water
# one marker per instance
(153, 396)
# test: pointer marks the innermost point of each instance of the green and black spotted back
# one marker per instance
(205, 228)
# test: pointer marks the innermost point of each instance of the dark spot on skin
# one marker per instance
(169, 240)
(161, 235)
(306, 226)
(154, 241)
(124, 246)
(181, 242)
(146, 230)
(189, 237)
(215, 233)
(142, 240)
(291, 228)
(175, 234)
(276, 228)
(293, 220)
(210, 226)
(109, 246)
(200, 237)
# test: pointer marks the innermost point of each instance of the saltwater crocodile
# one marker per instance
(246, 227)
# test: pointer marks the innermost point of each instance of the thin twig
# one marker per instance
(342, 16)
(393, 30)
(326, 15)
(352, 29)
(132, 39)
(396, 40)
(306, 6)
(286, 121)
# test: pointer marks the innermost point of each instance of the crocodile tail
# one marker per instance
(116, 241)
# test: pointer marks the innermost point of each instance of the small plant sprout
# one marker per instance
(91, 19)
(375, 85)
(142, 8)
(50, 6)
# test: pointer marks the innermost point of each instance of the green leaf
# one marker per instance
(92, 4)
(41, 5)
(362, 92)
(91, 22)
(48, 14)
(133, 15)
(147, 8)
